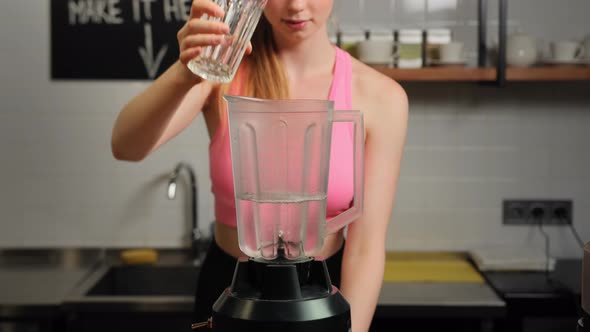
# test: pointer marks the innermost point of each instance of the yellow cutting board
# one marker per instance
(429, 267)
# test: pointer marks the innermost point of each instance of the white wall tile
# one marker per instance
(412, 197)
(493, 160)
(481, 193)
(472, 132)
(416, 133)
(413, 163)
(410, 13)
(467, 12)
(503, 132)
(565, 162)
(442, 13)
(440, 195)
(440, 129)
(533, 163)
(348, 14)
(378, 14)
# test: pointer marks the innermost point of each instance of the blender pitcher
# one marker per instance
(280, 153)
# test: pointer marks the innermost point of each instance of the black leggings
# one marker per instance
(217, 273)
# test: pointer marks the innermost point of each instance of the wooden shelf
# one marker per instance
(488, 74)
(438, 74)
(551, 73)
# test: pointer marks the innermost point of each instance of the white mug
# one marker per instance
(586, 46)
(521, 50)
(452, 51)
(566, 50)
(375, 51)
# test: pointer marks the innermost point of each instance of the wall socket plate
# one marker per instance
(533, 212)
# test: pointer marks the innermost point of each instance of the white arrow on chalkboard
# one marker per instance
(147, 53)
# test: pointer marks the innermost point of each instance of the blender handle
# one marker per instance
(355, 211)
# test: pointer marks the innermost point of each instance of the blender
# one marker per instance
(281, 156)
(584, 322)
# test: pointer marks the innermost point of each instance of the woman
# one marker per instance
(292, 57)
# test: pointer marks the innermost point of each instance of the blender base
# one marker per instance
(281, 296)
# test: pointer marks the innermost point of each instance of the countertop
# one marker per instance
(435, 284)
(565, 278)
(36, 282)
(36, 290)
(407, 299)
(45, 287)
(539, 294)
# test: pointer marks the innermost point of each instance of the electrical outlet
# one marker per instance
(561, 213)
(515, 212)
(533, 212)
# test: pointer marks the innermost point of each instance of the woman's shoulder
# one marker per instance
(372, 86)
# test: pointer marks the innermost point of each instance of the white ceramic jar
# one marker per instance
(521, 50)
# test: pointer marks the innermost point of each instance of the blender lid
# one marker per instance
(586, 279)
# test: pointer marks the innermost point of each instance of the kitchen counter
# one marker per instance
(36, 290)
(564, 279)
(406, 299)
(38, 282)
(78, 300)
(34, 283)
(397, 299)
(50, 287)
(531, 295)
(435, 284)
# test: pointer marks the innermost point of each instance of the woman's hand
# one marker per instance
(198, 33)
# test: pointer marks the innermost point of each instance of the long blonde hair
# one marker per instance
(266, 75)
(266, 78)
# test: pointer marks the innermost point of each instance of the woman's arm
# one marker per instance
(159, 113)
(364, 254)
(171, 103)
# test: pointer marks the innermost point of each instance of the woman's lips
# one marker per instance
(296, 24)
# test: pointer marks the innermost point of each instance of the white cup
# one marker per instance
(375, 51)
(451, 52)
(586, 46)
(565, 50)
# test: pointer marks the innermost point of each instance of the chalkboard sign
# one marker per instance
(115, 39)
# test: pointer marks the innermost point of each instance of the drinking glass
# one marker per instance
(219, 63)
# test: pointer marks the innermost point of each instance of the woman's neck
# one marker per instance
(313, 55)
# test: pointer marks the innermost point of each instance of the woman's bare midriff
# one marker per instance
(226, 238)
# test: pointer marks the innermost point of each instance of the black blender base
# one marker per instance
(282, 296)
(312, 326)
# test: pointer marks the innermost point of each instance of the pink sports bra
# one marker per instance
(340, 180)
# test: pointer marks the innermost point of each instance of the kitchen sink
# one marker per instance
(145, 298)
(146, 280)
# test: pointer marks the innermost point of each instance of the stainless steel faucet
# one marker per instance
(197, 241)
